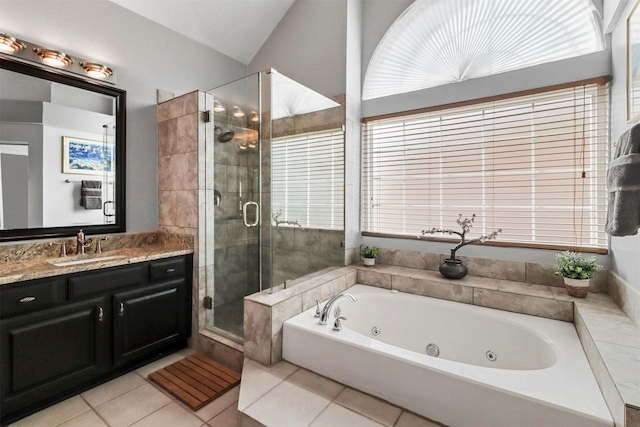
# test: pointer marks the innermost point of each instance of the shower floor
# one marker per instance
(229, 317)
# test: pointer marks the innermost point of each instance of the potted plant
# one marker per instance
(369, 253)
(576, 271)
(452, 268)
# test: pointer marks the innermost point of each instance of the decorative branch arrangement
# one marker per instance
(466, 225)
(277, 221)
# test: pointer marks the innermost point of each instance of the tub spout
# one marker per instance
(324, 314)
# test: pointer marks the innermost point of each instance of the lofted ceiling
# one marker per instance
(236, 28)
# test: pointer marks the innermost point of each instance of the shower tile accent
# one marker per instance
(498, 269)
(612, 344)
(625, 296)
(542, 274)
(632, 417)
(178, 107)
(266, 312)
(182, 197)
(448, 291)
(412, 259)
(526, 304)
(525, 289)
(374, 278)
(257, 332)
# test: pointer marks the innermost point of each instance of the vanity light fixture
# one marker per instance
(237, 112)
(15, 50)
(218, 107)
(53, 58)
(10, 44)
(254, 117)
(96, 70)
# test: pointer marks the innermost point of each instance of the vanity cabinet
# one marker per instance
(62, 335)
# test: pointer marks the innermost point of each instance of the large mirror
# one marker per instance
(62, 154)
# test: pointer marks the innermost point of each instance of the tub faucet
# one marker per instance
(324, 314)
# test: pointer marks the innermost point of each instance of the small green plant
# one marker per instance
(369, 251)
(575, 266)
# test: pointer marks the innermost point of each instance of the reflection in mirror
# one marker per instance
(61, 155)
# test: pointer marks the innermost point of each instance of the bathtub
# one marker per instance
(458, 364)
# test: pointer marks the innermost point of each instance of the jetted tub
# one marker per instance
(493, 368)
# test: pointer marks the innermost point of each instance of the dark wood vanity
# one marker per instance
(63, 334)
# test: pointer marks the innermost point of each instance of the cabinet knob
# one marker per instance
(170, 270)
(100, 314)
(27, 299)
(121, 311)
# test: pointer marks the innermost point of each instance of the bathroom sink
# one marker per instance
(61, 263)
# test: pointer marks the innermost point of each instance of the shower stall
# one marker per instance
(278, 202)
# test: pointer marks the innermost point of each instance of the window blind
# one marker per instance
(533, 165)
(307, 180)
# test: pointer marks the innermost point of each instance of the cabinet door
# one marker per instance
(147, 320)
(45, 353)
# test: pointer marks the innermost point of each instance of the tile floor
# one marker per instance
(304, 398)
(132, 400)
(280, 396)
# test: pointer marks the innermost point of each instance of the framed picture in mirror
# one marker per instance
(86, 157)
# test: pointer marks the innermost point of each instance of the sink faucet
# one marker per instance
(81, 243)
(324, 314)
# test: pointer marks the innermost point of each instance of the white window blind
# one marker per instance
(533, 165)
(307, 180)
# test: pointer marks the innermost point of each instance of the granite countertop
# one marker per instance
(32, 261)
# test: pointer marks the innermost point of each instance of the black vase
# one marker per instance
(453, 269)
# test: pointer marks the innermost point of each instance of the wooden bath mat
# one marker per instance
(196, 380)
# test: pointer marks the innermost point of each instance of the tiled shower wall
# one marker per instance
(185, 186)
(181, 136)
(299, 251)
(236, 246)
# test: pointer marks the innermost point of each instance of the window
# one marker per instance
(532, 164)
(307, 180)
(438, 42)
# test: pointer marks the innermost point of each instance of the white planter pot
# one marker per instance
(369, 261)
(577, 287)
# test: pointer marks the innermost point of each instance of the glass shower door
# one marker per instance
(236, 204)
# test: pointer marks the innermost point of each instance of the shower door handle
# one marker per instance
(244, 214)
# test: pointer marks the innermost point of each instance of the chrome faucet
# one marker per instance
(81, 243)
(324, 314)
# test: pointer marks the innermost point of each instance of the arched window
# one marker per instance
(435, 42)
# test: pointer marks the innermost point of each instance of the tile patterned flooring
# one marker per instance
(132, 400)
(285, 395)
(280, 396)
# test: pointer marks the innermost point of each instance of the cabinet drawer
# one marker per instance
(163, 269)
(94, 283)
(26, 298)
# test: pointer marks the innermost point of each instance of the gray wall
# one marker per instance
(309, 46)
(15, 197)
(625, 250)
(145, 57)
